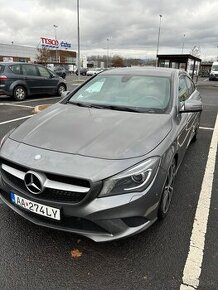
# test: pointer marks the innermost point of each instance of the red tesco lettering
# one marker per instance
(49, 41)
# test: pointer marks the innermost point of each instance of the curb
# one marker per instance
(40, 108)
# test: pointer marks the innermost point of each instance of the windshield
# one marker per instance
(215, 67)
(141, 93)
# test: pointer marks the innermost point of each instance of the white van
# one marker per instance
(214, 71)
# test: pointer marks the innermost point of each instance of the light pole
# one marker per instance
(158, 39)
(183, 42)
(108, 51)
(56, 54)
(78, 41)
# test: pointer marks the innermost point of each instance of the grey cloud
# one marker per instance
(131, 25)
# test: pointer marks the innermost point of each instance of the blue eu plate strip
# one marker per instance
(12, 195)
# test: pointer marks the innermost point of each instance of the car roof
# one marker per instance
(16, 62)
(154, 71)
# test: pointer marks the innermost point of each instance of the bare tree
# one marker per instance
(43, 55)
(117, 61)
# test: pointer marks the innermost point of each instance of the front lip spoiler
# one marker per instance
(95, 236)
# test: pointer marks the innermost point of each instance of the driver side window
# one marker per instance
(183, 90)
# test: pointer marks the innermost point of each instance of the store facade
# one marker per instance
(59, 52)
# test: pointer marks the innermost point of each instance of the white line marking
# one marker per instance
(192, 269)
(14, 120)
(36, 100)
(206, 128)
(15, 105)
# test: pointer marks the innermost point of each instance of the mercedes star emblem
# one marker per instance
(34, 182)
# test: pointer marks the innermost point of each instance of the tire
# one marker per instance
(167, 194)
(61, 88)
(19, 93)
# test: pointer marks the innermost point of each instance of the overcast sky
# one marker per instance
(131, 26)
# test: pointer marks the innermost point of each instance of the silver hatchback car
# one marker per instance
(102, 161)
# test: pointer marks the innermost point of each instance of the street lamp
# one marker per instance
(158, 39)
(108, 51)
(183, 42)
(78, 41)
(56, 55)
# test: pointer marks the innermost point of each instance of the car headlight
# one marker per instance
(135, 179)
(2, 141)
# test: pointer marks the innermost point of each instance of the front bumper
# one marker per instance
(101, 219)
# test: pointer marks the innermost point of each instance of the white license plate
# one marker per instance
(41, 209)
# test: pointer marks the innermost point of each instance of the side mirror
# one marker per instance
(191, 106)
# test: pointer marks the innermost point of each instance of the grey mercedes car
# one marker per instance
(102, 161)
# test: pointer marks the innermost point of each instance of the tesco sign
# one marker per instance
(54, 43)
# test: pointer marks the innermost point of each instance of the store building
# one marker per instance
(58, 52)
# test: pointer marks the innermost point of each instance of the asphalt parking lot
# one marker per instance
(32, 257)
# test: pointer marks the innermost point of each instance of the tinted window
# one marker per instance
(1, 68)
(183, 90)
(16, 69)
(146, 92)
(190, 84)
(43, 72)
(30, 70)
(215, 67)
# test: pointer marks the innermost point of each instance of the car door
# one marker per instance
(32, 78)
(194, 118)
(48, 80)
(184, 119)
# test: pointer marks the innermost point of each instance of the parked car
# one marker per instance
(20, 80)
(93, 71)
(83, 71)
(102, 161)
(60, 71)
(214, 72)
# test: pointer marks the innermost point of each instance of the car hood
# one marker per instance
(99, 133)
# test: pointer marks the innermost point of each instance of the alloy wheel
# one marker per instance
(167, 191)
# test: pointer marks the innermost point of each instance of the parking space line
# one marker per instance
(192, 269)
(36, 100)
(14, 120)
(15, 105)
(206, 128)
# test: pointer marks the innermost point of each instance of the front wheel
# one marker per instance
(167, 192)
(19, 93)
(61, 88)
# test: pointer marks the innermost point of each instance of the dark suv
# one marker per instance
(20, 80)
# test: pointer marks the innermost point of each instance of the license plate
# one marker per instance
(41, 209)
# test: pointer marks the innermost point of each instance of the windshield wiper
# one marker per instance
(80, 104)
(118, 108)
(89, 105)
(123, 108)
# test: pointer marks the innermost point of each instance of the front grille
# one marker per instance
(51, 194)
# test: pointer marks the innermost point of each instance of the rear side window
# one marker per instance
(16, 69)
(43, 72)
(30, 70)
(1, 68)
